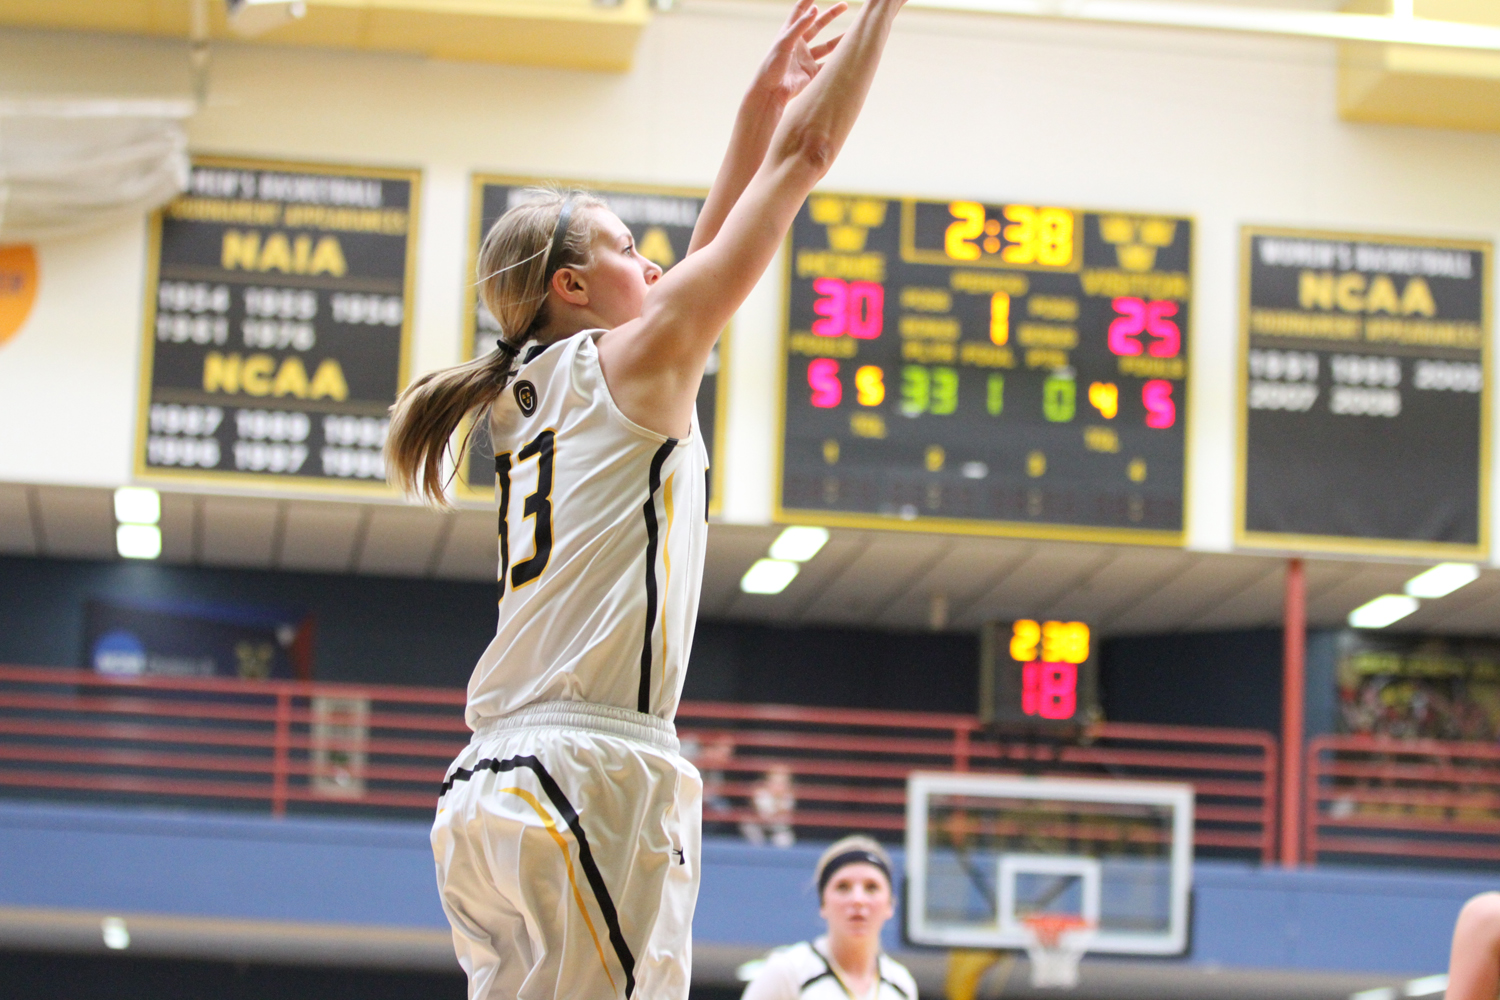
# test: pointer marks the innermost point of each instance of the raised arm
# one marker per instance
(1474, 968)
(792, 63)
(654, 364)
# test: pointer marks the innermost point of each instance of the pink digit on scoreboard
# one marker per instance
(823, 379)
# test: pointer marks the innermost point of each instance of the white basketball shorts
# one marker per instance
(567, 843)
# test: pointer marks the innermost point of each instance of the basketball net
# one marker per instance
(1057, 943)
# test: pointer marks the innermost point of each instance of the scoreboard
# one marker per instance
(1037, 674)
(662, 221)
(1365, 407)
(278, 314)
(998, 368)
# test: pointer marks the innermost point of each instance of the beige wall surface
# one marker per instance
(1229, 130)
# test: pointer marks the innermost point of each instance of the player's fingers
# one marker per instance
(823, 21)
(798, 13)
(822, 49)
(797, 27)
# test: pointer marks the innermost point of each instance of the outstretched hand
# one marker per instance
(794, 60)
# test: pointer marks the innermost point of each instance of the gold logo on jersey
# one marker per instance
(526, 397)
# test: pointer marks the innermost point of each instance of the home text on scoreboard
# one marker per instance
(662, 221)
(1364, 422)
(1011, 369)
(276, 326)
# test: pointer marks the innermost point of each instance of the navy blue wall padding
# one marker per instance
(342, 872)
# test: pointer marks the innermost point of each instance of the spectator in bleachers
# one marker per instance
(713, 756)
(774, 801)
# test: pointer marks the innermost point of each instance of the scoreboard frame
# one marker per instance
(279, 484)
(1339, 544)
(967, 526)
(462, 491)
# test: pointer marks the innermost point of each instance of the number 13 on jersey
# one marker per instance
(532, 466)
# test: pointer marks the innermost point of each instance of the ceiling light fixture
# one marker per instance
(138, 541)
(1382, 611)
(137, 505)
(116, 934)
(254, 17)
(768, 576)
(1442, 580)
(799, 544)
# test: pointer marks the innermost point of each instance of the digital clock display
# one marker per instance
(1037, 673)
(1014, 369)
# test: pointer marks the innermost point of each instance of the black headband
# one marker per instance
(856, 856)
(559, 237)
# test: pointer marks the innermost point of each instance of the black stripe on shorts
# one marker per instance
(591, 871)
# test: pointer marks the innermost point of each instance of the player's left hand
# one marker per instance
(794, 60)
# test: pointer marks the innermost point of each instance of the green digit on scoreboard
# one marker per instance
(1059, 398)
(994, 398)
(944, 390)
(916, 390)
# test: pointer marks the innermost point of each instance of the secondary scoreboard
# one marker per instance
(1000, 368)
(1037, 674)
(277, 325)
(1364, 392)
(662, 221)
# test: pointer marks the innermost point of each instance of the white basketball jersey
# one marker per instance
(803, 972)
(603, 526)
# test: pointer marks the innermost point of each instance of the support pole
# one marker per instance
(1293, 698)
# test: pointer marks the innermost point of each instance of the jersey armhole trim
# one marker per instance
(614, 410)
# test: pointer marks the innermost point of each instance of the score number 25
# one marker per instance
(1032, 236)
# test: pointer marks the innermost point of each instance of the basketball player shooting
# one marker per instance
(567, 833)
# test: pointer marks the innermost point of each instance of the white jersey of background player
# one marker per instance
(855, 899)
(567, 833)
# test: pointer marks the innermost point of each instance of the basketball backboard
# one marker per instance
(986, 852)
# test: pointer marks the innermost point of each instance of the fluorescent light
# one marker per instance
(798, 544)
(1426, 986)
(138, 541)
(768, 576)
(137, 505)
(116, 934)
(1442, 580)
(1382, 611)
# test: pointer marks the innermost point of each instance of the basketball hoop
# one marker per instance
(1057, 943)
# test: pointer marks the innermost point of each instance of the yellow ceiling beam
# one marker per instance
(570, 34)
(1411, 85)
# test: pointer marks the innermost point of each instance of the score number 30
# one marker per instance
(1049, 654)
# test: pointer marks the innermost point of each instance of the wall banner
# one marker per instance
(277, 326)
(1364, 394)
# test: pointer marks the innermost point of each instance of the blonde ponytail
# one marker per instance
(519, 255)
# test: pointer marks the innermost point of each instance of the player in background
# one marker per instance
(1474, 966)
(855, 899)
(567, 833)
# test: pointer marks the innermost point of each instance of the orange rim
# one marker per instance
(1050, 927)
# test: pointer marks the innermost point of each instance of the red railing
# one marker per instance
(847, 768)
(339, 747)
(1372, 796)
(277, 742)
